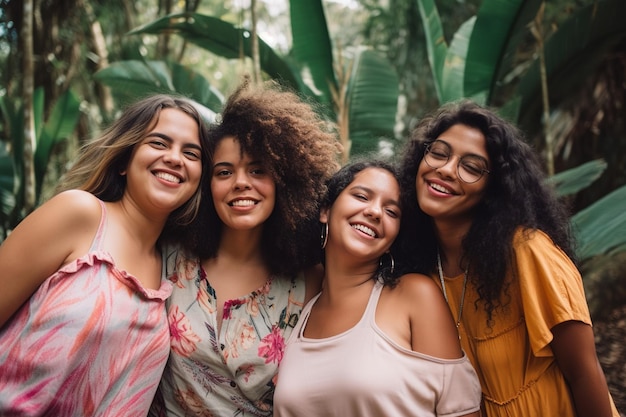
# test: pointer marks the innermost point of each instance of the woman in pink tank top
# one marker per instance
(83, 327)
(376, 341)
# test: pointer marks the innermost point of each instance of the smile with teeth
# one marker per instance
(243, 203)
(168, 177)
(364, 229)
(439, 188)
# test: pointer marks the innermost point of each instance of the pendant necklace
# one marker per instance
(445, 295)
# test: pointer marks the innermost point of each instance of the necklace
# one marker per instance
(443, 288)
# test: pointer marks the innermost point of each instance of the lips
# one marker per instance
(364, 229)
(440, 188)
(166, 176)
(242, 203)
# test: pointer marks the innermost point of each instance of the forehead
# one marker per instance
(377, 179)
(464, 139)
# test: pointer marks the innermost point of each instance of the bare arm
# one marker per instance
(43, 242)
(575, 353)
(432, 327)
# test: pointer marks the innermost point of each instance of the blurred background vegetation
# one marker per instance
(557, 68)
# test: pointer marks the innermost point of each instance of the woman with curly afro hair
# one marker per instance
(497, 241)
(240, 285)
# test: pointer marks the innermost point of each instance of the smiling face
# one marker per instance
(364, 220)
(244, 192)
(165, 167)
(440, 192)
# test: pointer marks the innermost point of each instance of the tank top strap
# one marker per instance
(370, 310)
(98, 240)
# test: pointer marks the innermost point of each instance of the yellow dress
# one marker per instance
(513, 359)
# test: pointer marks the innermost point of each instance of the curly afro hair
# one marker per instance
(299, 148)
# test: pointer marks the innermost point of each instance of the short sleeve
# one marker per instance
(551, 288)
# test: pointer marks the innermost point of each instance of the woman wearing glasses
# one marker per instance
(497, 242)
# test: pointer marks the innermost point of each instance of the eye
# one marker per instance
(258, 171)
(439, 152)
(393, 212)
(473, 165)
(156, 143)
(193, 154)
(360, 196)
(221, 173)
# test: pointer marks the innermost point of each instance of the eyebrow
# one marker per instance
(230, 164)
(170, 140)
(452, 149)
(370, 191)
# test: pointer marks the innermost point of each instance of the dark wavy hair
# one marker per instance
(342, 179)
(300, 149)
(100, 161)
(517, 196)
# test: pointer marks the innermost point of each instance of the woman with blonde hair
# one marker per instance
(83, 326)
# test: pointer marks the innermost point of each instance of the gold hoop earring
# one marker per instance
(324, 235)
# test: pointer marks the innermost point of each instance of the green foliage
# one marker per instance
(572, 53)
(59, 125)
(223, 39)
(372, 100)
(133, 79)
(601, 227)
(573, 180)
(309, 68)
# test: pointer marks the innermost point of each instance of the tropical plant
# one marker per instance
(466, 68)
(360, 95)
(49, 133)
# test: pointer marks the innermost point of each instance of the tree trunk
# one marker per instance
(256, 61)
(27, 100)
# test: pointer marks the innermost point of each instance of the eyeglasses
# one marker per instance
(469, 168)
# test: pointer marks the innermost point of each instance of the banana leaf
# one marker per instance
(453, 71)
(372, 97)
(601, 227)
(134, 79)
(500, 26)
(223, 39)
(436, 44)
(312, 49)
(573, 180)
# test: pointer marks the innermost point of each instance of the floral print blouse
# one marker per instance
(230, 373)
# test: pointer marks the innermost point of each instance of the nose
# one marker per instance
(449, 168)
(373, 211)
(242, 182)
(173, 156)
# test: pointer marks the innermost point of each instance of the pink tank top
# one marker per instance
(362, 372)
(91, 341)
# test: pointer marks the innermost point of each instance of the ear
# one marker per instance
(324, 215)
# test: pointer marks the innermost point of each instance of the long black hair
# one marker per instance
(517, 196)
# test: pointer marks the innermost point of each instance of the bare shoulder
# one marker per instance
(77, 203)
(53, 235)
(432, 328)
(64, 214)
(417, 287)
